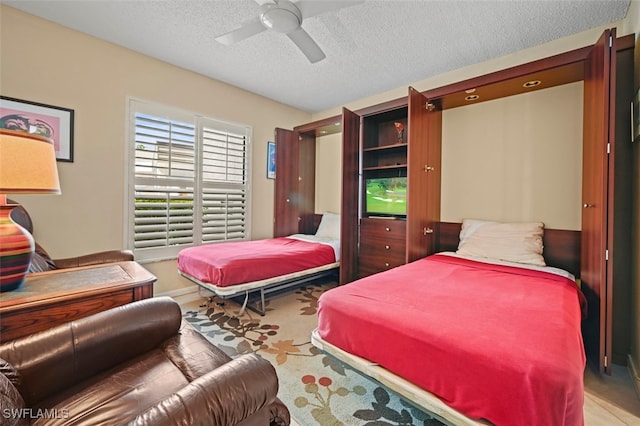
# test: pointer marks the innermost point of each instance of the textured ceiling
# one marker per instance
(371, 47)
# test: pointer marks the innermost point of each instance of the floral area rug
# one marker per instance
(317, 388)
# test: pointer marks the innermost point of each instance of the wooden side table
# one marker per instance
(51, 298)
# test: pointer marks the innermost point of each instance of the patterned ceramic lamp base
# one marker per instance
(16, 250)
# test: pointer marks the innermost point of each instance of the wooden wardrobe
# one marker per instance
(606, 69)
(294, 191)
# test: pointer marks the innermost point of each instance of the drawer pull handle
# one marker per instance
(386, 247)
(386, 265)
(428, 231)
(387, 229)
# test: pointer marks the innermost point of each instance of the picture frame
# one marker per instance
(635, 117)
(271, 160)
(51, 121)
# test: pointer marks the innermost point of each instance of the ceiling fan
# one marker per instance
(286, 17)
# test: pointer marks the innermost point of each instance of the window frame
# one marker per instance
(199, 122)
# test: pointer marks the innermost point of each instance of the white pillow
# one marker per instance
(329, 226)
(514, 242)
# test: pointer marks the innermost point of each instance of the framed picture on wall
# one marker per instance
(51, 121)
(635, 112)
(271, 160)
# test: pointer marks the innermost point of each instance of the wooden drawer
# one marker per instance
(382, 245)
(24, 322)
(372, 263)
(391, 249)
(383, 228)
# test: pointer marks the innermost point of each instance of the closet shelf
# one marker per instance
(396, 146)
(390, 167)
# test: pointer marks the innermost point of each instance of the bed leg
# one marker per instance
(263, 308)
(244, 304)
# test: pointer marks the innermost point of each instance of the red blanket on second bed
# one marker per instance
(494, 342)
(226, 264)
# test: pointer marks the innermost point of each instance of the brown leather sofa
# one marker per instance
(137, 364)
(41, 260)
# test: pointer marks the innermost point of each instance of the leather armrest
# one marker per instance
(94, 259)
(280, 415)
(56, 359)
(226, 396)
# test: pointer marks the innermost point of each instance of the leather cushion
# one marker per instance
(192, 353)
(116, 396)
(55, 359)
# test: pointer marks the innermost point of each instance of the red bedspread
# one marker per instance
(494, 342)
(231, 263)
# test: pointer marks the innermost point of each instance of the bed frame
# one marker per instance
(561, 250)
(242, 292)
(415, 395)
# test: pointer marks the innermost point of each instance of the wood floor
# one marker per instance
(608, 400)
(611, 400)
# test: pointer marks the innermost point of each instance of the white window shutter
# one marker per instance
(190, 182)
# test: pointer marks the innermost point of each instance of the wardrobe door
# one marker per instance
(350, 204)
(621, 259)
(286, 194)
(424, 175)
(598, 131)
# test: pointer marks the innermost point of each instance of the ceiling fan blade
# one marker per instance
(310, 8)
(308, 46)
(248, 29)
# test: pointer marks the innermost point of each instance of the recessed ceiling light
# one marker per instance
(471, 98)
(531, 83)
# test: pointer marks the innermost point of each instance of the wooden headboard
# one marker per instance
(561, 247)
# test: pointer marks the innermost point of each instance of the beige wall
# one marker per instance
(499, 163)
(47, 63)
(328, 173)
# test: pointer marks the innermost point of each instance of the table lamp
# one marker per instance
(27, 166)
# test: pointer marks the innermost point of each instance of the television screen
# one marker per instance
(386, 196)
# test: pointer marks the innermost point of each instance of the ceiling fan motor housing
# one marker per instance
(282, 17)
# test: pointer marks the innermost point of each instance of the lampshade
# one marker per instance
(27, 166)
